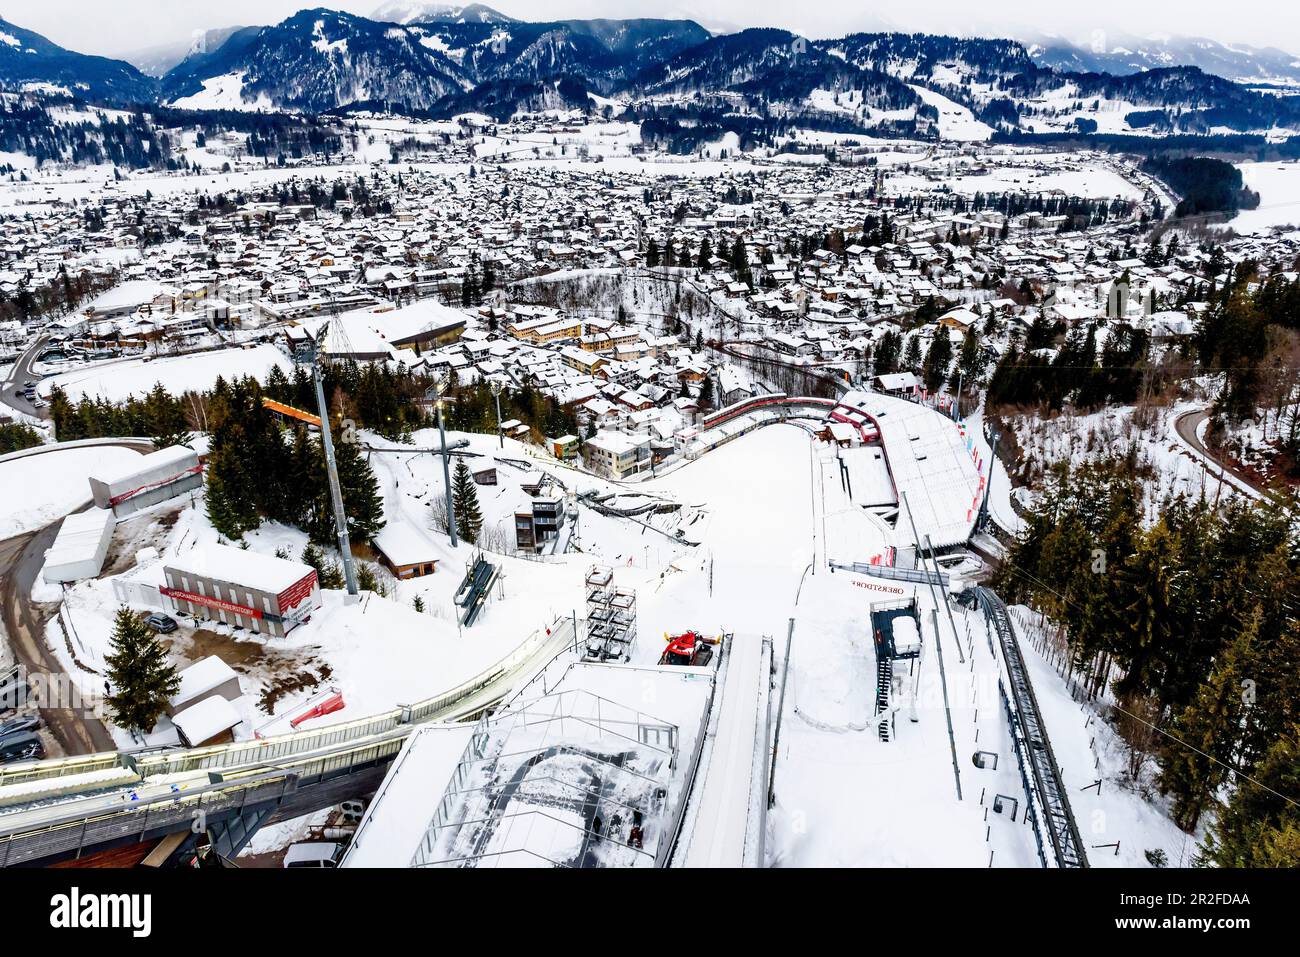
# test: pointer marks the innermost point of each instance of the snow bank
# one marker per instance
(39, 489)
(117, 381)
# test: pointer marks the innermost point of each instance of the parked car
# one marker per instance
(161, 623)
(322, 854)
(21, 747)
(26, 722)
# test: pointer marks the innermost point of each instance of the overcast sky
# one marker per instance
(114, 27)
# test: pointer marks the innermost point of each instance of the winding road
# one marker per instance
(1187, 425)
(21, 372)
(75, 728)
(21, 559)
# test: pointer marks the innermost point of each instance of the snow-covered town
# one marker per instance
(381, 489)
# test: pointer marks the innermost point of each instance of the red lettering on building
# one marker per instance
(178, 595)
(871, 586)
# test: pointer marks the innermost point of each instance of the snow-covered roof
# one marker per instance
(245, 567)
(405, 544)
(80, 536)
(893, 381)
(395, 821)
(201, 677)
(174, 455)
(907, 637)
(206, 720)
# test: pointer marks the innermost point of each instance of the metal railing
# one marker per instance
(918, 575)
(311, 755)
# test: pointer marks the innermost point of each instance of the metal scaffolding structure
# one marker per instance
(569, 779)
(611, 616)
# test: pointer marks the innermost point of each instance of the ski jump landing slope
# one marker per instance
(730, 794)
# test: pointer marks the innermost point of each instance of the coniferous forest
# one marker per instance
(1190, 625)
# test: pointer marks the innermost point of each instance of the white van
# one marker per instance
(316, 854)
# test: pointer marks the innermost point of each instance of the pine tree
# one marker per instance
(139, 675)
(368, 579)
(225, 512)
(1213, 726)
(361, 499)
(706, 253)
(1147, 593)
(912, 352)
(971, 360)
(164, 419)
(327, 573)
(705, 400)
(1260, 827)
(937, 359)
(332, 577)
(469, 519)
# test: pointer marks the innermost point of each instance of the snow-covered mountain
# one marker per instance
(158, 61)
(437, 59)
(322, 60)
(315, 61)
(412, 11)
(1123, 54)
(604, 53)
(28, 58)
(1000, 85)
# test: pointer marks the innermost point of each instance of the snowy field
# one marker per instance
(1278, 185)
(1057, 173)
(39, 489)
(956, 122)
(118, 380)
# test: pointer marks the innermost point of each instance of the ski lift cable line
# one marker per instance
(1191, 747)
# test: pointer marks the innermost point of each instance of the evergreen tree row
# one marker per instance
(256, 471)
(1192, 623)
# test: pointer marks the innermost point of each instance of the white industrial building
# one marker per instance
(154, 478)
(80, 548)
(264, 594)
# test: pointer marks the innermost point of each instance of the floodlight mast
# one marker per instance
(435, 394)
(331, 465)
(497, 388)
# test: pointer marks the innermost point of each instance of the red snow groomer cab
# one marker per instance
(688, 648)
